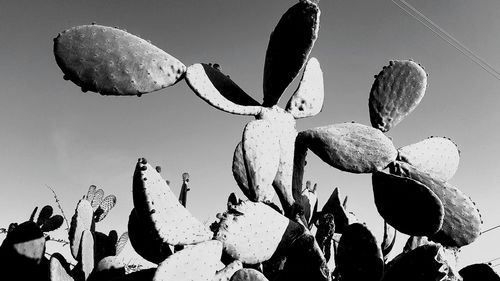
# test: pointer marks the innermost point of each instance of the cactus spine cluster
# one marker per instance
(254, 239)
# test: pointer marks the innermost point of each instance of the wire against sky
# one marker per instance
(416, 14)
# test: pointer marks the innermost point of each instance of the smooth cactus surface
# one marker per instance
(111, 61)
(289, 46)
(155, 202)
(396, 91)
(436, 156)
(308, 98)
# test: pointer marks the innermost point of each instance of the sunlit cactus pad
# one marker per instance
(397, 90)
(111, 61)
(156, 203)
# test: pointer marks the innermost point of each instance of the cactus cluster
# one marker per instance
(255, 239)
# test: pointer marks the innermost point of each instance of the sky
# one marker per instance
(55, 135)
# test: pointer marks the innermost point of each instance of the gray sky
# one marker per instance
(53, 134)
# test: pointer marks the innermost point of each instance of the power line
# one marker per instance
(490, 229)
(412, 11)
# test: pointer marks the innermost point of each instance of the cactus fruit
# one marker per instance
(248, 274)
(82, 220)
(436, 156)
(396, 91)
(111, 61)
(197, 262)
(261, 151)
(399, 201)
(289, 46)
(351, 147)
(249, 238)
(228, 271)
(479, 271)
(145, 239)
(359, 256)
(461, 222)
(184, 189)
(308, 98)
(155, 203)
(200, 81)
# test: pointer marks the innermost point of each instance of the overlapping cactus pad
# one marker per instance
(254, 238)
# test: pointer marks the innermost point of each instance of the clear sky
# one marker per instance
(53, 134)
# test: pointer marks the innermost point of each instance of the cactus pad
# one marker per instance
(231, 100)
(400, 202)
(82, 220)
(289, 46)
(248, 274)
(359, 256)
(389, 239)
(462, 221)
(52, 223)
(145, 239)
(59, 269)
(308, 98)
(45, 214)
(479, 271)
(111, 61)
(426, 262)
(436, 156)
(239, 170)
(334, 206)
(198, 262)
(261, 151)
(228, 271)
(155, 202)
(396, 92)
(106, 205)
(249, 238)
(86, 254)
(351, 147)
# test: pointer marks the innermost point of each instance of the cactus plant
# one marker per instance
(270, 159)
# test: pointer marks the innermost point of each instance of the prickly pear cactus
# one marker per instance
(410, 184)
(111, 61)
